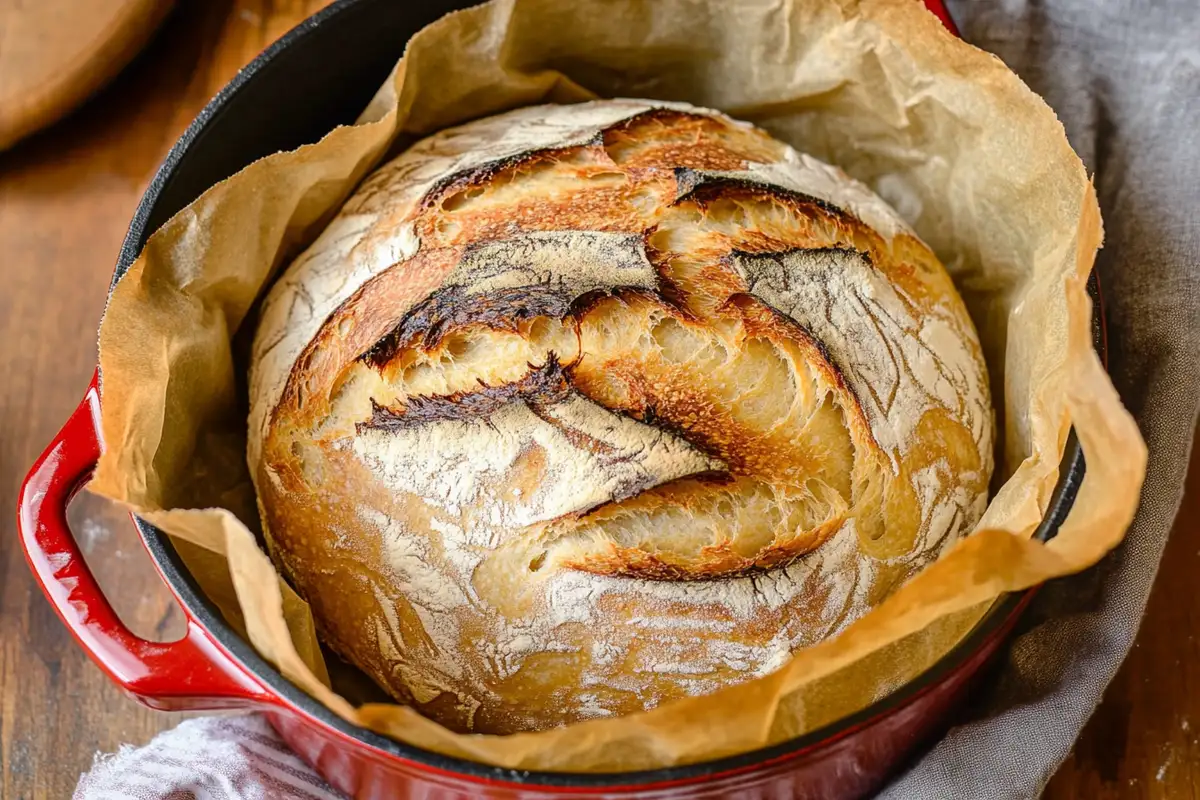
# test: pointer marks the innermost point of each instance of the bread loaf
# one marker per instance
(577, 409)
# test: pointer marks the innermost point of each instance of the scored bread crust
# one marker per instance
(577, 409)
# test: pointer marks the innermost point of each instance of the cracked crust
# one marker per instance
(578, 409)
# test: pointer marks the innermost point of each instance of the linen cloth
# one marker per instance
(1124, 77)
(214, 758)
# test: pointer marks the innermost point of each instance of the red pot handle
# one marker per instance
(939, 10)
(191, 673)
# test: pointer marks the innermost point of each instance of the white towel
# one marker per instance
(216, 758)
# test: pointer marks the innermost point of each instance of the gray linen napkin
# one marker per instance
(1124, 77)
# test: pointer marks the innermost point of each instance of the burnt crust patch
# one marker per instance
(454, 308)
(502, 283)
(488, 171)
(544, 385)
(705, 187)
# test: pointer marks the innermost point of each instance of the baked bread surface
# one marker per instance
(577, 409)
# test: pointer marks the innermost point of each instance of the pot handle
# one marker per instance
(191, 673)
(939, 10)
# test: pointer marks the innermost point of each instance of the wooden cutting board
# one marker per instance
(55, 53)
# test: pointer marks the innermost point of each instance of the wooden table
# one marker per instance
(65, 200)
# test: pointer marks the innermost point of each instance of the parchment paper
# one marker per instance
(975, 161)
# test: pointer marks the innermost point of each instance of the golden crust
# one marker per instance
(615, 387)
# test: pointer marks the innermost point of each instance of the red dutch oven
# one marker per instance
(320, 75)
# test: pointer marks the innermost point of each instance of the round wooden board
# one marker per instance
(55, 53)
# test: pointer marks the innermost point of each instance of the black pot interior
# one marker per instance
(318, 76)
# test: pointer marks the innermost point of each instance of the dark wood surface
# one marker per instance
(66, 197)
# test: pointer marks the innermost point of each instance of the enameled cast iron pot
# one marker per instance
(320, 75)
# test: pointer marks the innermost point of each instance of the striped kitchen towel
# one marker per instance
(214, 758)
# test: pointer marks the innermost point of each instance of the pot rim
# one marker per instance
(997, 620)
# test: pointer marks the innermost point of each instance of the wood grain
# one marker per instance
(66, 197)
(54, 53)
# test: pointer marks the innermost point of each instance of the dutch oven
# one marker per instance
(320, 75)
